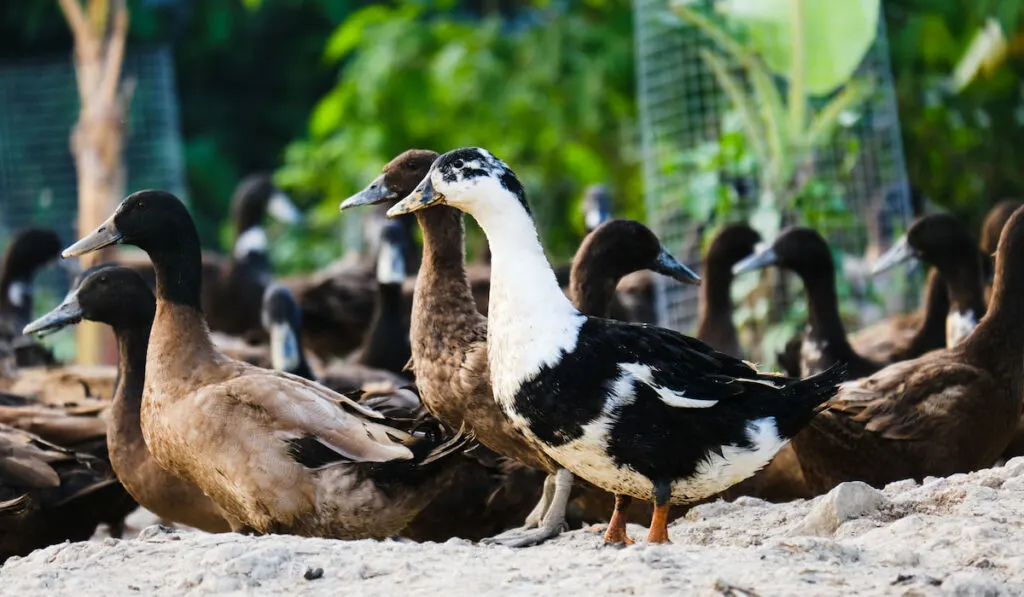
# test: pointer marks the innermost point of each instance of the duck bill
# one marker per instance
(667, 265)
(424, 196)
(67, 313)
(901, 252)
(759, 260)
(104, 236)
(374, 193)
(284, 347)
(281, 208)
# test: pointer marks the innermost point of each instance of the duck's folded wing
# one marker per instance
(683, 371)
(26, 460)
(309, 419)
(904, 402)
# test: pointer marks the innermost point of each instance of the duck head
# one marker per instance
(398, 178)
(105, 293)
(938, 239)
(282, 319)
(28, 251)
(798, 249)
(994, 223)
(597, 206)
(621, 247)
(255, 197)
(466, 179)
(152, 220)
(732, 244)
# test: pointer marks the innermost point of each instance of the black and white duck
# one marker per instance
(119, 297)
(449, 334)
(953, 410)
(641, 412)
(942, 241)
(823, 342)
(278, 453)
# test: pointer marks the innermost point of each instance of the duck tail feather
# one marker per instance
(457, 442)
(808, 396)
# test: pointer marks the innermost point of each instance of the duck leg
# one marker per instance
(553, 522)
(616, 533)
(659, 521)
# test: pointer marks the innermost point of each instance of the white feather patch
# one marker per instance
(645, 374)
(959, 325)
(253, 240)
(18, 293)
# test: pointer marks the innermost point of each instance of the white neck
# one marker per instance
(253, 240)
(390, 264)
(530, 322)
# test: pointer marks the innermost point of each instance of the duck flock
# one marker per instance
(505, 400)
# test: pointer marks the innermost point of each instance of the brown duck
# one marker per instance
(278, 453)
(950, 411)
(119, 297)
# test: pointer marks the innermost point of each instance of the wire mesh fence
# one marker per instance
(694, 161)
(38, 108)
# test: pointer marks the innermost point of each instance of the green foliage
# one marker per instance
(549, 91)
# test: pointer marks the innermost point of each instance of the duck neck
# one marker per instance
(125, 410)
(935, 308)
(995, 343)
(442, 286)
(16, 296)
(531, 323)
(965, 288)
(180, 340)
(714, 310)
(824, 324)
(385, 334)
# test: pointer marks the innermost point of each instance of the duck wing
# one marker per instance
(318, 425)
(905, 401)
(27, 461)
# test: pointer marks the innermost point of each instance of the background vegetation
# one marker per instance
(325, 91)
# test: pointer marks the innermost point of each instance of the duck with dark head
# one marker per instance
(732, 244)
(278, 453)
(952, 410)
(120, 298)
(942, 241)
(824, 344)
(28, 250)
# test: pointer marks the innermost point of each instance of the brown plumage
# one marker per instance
(49, 494)
(119, 297)
(714, 311)
(909, 335)
(951, 410)
(278, 453)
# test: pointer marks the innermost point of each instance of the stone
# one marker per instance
(846, 501)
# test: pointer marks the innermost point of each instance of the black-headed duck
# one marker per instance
(449, 341)
(282, 319)
(715, 327)
(280, 454)
(611, 401)
(823, 342)
(950, 411)
(49, 494)
(28, 250)
(119, 297)
(942, 241)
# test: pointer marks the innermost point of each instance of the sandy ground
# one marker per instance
(962, 535)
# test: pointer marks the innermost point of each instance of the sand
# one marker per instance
(962, 535)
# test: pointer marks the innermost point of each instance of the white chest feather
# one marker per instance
(18, 293)
(959, 325)
(253, 240)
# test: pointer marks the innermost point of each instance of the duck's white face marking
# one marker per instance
(811, 350)
(390, 264)
(18, 293)
(645, 374)
(959, 325)
(253, 240)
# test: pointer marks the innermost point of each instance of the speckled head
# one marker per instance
(463, 178)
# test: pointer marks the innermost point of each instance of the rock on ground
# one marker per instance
(962, 535)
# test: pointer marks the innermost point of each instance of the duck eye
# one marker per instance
(411, 166)
(457, 164)
(142, 205)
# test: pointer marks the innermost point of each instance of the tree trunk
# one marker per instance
(97, 139)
